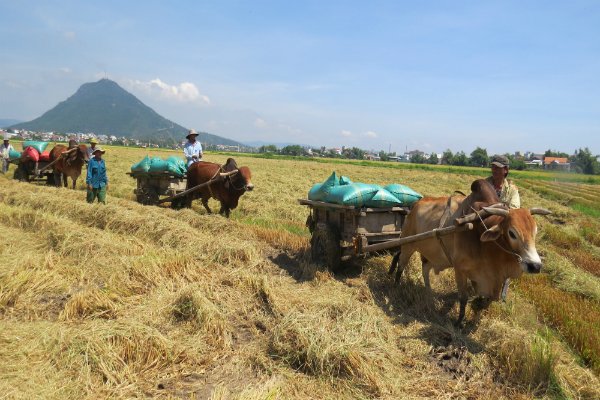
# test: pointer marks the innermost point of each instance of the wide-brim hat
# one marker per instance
(93, 141)
(98, 149)
(500, 161)
(191, 133)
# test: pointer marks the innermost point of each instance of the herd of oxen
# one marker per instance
(501, 245)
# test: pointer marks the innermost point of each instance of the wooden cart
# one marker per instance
(152, 185)
(340, 233)
(26, 171)
(337, 229)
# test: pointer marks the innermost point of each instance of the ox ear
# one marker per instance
(491, 234)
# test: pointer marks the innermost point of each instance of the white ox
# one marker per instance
(501, 246)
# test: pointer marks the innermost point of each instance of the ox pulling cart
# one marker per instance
(29, 170)
(340, 233)
(152, 185)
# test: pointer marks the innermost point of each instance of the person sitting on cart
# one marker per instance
(192, 149)
(97, 180)
(5, 150)
(505, 188)
(92, 148)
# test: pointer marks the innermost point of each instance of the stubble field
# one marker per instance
(126, 300)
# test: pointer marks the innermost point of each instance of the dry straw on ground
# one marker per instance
(127, 301)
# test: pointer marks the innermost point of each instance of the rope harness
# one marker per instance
(519, 258)
(443, 220)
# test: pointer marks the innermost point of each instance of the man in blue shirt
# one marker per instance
(192, 149)
(96, 180)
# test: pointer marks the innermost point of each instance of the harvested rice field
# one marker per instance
(130, 301)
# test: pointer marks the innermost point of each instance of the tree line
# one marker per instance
(582, 161)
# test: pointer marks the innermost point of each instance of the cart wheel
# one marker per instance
(325, 247)
(147, 196)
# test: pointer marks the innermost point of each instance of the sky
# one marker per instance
(394, 75)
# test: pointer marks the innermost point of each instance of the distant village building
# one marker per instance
(557, 163)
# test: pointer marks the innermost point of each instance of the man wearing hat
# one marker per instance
(5, 150)
(505, 188)
(96, 180)
(90, 150)
(192, 149)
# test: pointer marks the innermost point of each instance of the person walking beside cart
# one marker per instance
(5, 150)
(92, 148)
(97, 180)
(192, 149)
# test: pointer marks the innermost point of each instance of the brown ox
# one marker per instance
(227, 190)
(70, 164)
(501, 246)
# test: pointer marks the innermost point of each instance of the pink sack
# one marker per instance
(31, 154)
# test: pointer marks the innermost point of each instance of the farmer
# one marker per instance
(90, 150)
(192, 149)
(97, 181)
(5, 150)
(507, 192)
(505, 188)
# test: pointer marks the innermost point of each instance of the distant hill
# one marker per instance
(104, 107)
(5, 123)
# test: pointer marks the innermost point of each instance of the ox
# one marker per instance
(227, 190)
(68, 165)
(501, 246)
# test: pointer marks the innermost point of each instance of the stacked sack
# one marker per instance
(174, 165)
(341, 190)
(33, 150)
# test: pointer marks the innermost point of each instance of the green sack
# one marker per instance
(404, 194)
(355, 194)
(320, 193)
(142, 166)
(13, 154)
(157, 164)
(178, 165)
(38, 145)
(382, 199)
(344, 180)
(315, 192)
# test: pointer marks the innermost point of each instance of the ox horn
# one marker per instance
(496, 211)
(539, 211)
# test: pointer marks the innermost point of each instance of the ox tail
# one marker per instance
(394, 265)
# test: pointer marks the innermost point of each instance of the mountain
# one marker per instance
(5, 123)
(105, 108)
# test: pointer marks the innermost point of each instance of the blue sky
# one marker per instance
(507, 75)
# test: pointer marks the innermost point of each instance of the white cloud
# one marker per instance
(69, 35)
(185, 92)
(370, 134)
(345, 133)
(65, 70)
(260, 123)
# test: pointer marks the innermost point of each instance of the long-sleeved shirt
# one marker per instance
(96, 173)
(192, 149)
(509, 194)
(5, 151)
(90, 151)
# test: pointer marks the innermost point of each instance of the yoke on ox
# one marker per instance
(501, 246)
(227, 190)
